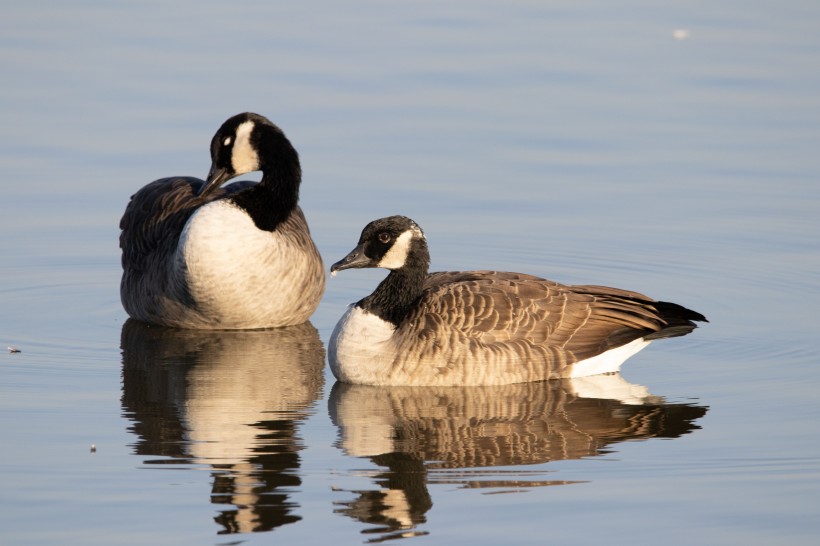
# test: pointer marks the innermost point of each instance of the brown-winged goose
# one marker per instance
(483, 327)
(198, 255)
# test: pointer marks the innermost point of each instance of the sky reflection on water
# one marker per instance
(580, 142)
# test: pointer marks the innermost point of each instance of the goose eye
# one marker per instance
(384, 237)
(227, 141)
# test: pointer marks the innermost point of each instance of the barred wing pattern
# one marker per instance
(532, 322)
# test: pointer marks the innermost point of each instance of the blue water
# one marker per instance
(581, 142)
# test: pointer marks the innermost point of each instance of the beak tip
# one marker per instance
(216, 177)
(335, 268)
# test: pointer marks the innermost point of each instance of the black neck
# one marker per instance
(396, 295)
(273, 200)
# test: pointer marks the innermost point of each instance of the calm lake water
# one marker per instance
(670, 148)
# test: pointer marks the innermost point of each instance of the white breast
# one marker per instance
(360, 349)
(243, 276)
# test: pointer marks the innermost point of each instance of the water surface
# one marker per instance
(580, 142)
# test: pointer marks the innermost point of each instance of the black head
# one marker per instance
(245, 143)
(393, 243)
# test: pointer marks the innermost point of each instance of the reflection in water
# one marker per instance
(231, 400)
(457, 435)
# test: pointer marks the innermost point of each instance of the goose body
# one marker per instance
(483, 327)
(198, 255)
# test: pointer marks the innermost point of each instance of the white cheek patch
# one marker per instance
(244, 158)
(397, 255)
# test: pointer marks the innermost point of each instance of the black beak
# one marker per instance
(356, 259)
(216, 177)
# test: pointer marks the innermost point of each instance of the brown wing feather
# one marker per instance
(499, 308)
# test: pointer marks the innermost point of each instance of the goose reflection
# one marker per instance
(463, 435)
(230, 400)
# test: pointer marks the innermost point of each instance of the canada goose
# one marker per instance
(483, 327)
(197, 255)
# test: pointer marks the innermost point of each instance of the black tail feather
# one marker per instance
(679, 320)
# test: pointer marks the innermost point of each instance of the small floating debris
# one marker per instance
(680, 34)
(93, 448)
(13, 349)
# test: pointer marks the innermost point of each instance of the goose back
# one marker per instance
(490, 327)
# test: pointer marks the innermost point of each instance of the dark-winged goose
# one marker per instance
(198, 255)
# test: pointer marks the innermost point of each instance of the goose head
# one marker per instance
(246, 143)
(393, 243)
